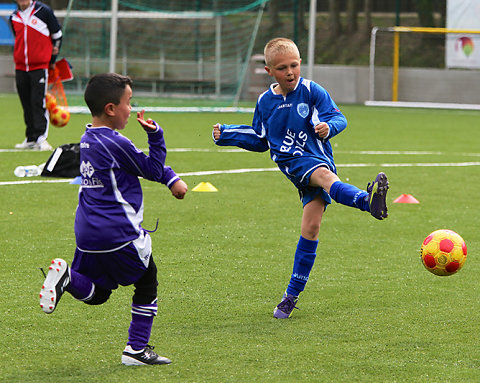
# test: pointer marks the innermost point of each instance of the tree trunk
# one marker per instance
(58, 4)
(367, 9)
(273, 14)
(302, 9)
(425, 13)
(335, 25)
(441, 7)
(352, 13)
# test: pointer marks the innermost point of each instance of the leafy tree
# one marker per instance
(303, 8)
(273, 13)
(425, 13)
(367, 8)
(352, 13)
(335, 25)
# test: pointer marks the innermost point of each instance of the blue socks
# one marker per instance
(305, 254)
(349, 195)
(302, 265)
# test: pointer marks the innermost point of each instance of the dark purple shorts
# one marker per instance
(108, 270)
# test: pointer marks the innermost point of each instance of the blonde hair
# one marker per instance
(279, 45)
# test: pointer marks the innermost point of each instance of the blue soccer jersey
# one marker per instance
(110, 206)
(285, 125)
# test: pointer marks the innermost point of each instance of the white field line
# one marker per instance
(252, 170)
(237, 150)
(181, 150)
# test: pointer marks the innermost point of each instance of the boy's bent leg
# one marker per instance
(373, 200)
(341, 192)
(88, 282)
(80, 287)
(56, 281)
(350, 195)
(61, 278)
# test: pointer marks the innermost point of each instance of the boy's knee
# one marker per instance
(146, 287)
(310, 232)
(323, 177)
(144, 295)
(100, 296)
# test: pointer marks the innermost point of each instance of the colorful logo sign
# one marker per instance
(464, 44)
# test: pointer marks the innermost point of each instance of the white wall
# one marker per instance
(350, 84)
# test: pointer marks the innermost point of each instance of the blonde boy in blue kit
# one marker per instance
(296, 118)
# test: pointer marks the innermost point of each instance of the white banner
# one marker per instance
(463, 50)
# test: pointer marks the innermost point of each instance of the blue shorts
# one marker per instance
(298, 170)
(308, 194)
(108, 270)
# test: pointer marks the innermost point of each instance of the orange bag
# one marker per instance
(56, 100)
(61, 73)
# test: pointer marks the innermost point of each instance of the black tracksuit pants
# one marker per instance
(31, 88)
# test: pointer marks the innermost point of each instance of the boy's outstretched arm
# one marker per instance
(242, 136)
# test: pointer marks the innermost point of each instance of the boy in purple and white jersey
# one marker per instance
(112, 247)
(295, 119)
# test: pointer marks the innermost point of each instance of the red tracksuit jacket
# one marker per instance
(35, 36)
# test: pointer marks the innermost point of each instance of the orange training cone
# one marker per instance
(406, 198)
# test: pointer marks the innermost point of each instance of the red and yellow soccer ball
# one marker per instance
(443, 252)
(59, 116)
(50, 101)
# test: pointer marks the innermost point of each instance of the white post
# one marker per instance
(248, 56)
(200, 67)
(113, 36)
(371, 71)
(87, 60)
(218, 54)
(162, 63)
(124, 60)
(311, 38)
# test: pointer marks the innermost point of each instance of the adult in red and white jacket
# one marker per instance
(38, 37)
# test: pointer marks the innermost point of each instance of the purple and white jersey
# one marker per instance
(110, 202)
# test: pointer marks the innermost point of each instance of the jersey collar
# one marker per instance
(278, 94)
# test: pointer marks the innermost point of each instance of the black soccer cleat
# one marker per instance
(377, 196)
(285, 308)
(142, 358)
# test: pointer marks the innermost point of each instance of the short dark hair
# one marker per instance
(105, 88)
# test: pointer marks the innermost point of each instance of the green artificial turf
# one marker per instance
(370, 312)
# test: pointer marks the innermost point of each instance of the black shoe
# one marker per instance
(57, 279)
(141, 358)
(285, 308)
(377, 193)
